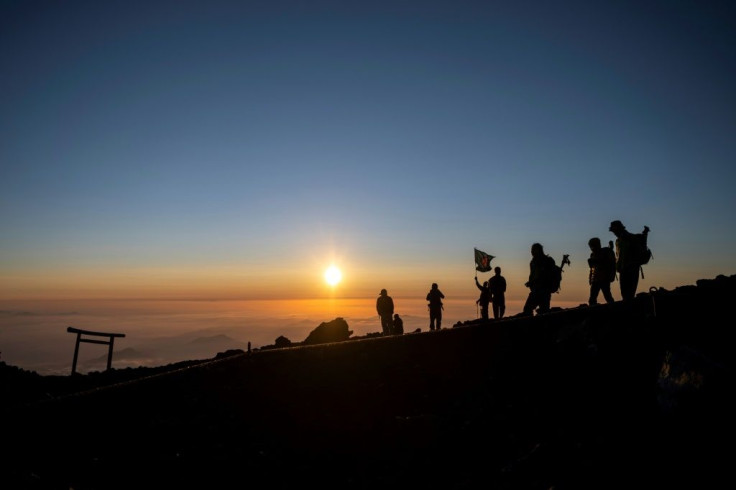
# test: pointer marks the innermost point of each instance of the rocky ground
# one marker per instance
(612, 396)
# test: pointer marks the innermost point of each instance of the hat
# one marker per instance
(616, 225)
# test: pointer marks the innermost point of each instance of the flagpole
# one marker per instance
(475, 266)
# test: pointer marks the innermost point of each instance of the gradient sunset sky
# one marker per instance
(212, 149)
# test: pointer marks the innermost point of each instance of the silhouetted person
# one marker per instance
(484, 299)
(626, 263)
(435, 297)
(398, 325)
(541, 270)
(385, 309)
(497, 286)
(602, 264)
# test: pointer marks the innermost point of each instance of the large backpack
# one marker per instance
(641, 252)
(555, 277)
(555, 273)
(610, 265)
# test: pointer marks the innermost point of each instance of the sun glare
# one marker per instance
(333, 275)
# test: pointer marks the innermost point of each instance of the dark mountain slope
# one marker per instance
(605, 397)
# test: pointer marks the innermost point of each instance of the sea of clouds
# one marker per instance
(33, 334)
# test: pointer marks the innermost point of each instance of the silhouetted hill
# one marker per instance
(213, 339)
(126, 353)
(612, 396)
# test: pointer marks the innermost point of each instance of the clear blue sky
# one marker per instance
(237, 148)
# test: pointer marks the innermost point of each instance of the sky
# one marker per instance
(234, 150)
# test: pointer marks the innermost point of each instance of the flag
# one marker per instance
(482, 261)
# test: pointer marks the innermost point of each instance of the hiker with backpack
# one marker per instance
(542, 270)
(602, 263)
(631, 253)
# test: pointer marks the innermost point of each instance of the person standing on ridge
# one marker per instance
(541, 268)
(484, 299)
(497, 286)
(627, 265)
(602, 264)
(435, 297)
(385, 309)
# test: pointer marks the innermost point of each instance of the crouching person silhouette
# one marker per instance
(398, 325)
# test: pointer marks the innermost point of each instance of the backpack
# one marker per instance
(610, 263)
(603, 264)
(555, 272)
(640, 251)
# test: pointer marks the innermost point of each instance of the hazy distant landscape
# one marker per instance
(33, 333)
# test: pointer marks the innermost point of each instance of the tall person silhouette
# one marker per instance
(540, 281)
(627, 265)
(497, 286)
(602, 263)
(435, 297)
(385, 310)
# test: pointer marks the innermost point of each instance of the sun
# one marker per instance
(333, 275)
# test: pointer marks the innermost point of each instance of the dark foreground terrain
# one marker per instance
(613, 396)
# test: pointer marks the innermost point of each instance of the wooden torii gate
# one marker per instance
(110, 341)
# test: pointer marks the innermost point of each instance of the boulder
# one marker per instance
(332, 331)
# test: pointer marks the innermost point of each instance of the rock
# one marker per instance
(332, 331)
